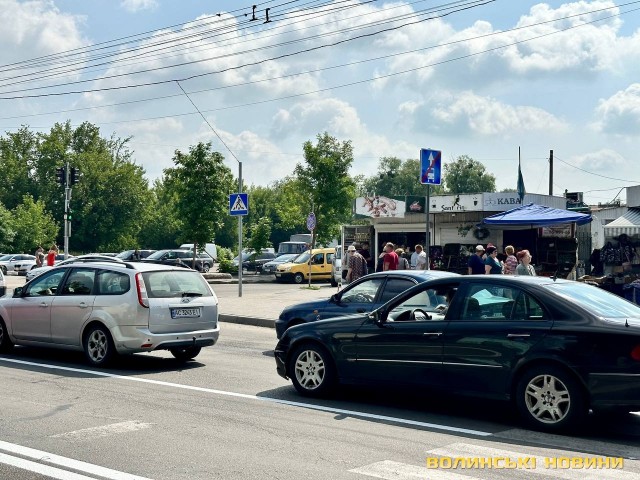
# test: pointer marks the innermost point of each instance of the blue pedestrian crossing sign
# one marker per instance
(239, 204)
(430, 167)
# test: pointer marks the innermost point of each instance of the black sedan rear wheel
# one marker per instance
(549, 398)
(311, 370)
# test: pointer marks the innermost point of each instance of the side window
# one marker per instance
(487, 302)
(79, 282)
(527, 308)
(364, 292)
(393, 287)
(318, 259)
(330, 257)
(113, 283)
(425, 302)
(45, 284)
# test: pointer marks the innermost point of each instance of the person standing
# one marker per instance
(403, 263)
(357, 265)
(476, 262)
(492, 265)
(511, 262)
(421, 258)
(51, 255)
(366, 254)
(39, 256)
(525, 267)
(390, 259)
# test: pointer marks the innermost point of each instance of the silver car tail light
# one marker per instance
(142, 291)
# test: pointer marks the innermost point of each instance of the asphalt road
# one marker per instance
(228, 415)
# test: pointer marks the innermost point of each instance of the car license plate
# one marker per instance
(185, 312)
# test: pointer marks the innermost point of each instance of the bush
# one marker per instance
(225, 259)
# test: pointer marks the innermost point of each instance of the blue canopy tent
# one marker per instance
(533, 216)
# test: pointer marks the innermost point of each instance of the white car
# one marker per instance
(111, 308)
(34, 272)
(3, 285)
(8, 262)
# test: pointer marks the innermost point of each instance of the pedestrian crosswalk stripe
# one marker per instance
(238, 205)
(402, 471)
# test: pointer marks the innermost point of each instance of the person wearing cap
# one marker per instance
(492, 265)
(476, 263)
(357, 264)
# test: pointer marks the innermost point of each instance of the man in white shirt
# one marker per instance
(421, 258)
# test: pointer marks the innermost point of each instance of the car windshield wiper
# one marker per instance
(191, 294)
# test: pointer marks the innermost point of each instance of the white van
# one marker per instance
(210, 248)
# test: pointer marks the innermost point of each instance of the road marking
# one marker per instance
(354, 413)
(48, 459)
(401, 471)
(103, 431)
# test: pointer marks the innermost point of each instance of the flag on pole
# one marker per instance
(521, 189)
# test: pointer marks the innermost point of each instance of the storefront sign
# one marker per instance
(379, 206)
(415, 205)
(500, 202)
(557, 231)
(456, 203)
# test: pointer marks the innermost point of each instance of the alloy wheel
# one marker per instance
(97, 346)
(547, 399)
(310, 369)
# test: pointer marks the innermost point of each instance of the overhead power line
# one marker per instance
(597, 174)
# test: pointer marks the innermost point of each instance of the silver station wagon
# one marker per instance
(105, 309)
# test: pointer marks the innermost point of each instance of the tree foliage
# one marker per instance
(396, 178)
(32, 225)
(260, 235)
(466, 175)
(324, 185)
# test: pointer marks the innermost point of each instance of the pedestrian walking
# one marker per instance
(421, 258)
(39, 256)
(476, 262)
(51, 255)
(492, 265)
(357, 265)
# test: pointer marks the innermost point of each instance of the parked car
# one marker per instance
(363, 295)
(271, 265)
(182, 258)
(129, 255)
(555, 348)
(3, 287)
(253, 260)
(336, 268)
(318, 263)
(21, 267)
(34, 272)
(210, 248)
(110, 308)
(8, 262)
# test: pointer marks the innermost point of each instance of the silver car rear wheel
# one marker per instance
(98, 346)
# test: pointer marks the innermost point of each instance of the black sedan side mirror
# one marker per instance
(17, 292)
(335, 298)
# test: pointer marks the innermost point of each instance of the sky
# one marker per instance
(497, 80)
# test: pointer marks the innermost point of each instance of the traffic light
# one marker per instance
(70, 215)
(60, 175)
(74, 176)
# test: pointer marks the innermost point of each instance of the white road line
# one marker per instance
(353, 413)
(389, 470)
(48, 459)
(104, 430)
(467, 450)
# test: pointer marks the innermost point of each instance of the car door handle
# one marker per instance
(83, 305)
(432, 334)
(45, 305)
(518, 335)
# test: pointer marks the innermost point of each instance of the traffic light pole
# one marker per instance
(67, 199)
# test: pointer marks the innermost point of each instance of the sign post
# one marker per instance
(430, 174)
(311, 225)
(239, 206)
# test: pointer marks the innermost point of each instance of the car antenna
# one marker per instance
(554, 277)
(626, 322)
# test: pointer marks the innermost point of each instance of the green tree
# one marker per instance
(163, 227)
(7, 233)
(325, 185)
(466, 175)
(396, 178)
(18, 154)
(260, 234)
(201, 183)
(33, 225)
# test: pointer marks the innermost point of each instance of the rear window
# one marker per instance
(169, 284)
(596, 300)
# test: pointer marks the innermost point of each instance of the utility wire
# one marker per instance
(597, 174)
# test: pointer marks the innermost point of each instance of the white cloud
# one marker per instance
(620, 113)
(467, 113)
(604, 160)
(134, 6)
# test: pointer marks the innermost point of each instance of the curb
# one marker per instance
(242, 320)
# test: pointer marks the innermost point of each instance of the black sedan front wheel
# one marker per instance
(311, 370)
(549, 398)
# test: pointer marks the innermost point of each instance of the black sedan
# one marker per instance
(361, 296)
(554, 348)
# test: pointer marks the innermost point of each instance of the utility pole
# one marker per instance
(239, 233)
(550, 172)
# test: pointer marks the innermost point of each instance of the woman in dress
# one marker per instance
(510, 263)
(525, 267)
(492, 265)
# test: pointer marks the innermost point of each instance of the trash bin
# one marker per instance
(632, 292)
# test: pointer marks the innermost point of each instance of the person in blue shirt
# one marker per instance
(476, 264)
(492, 265)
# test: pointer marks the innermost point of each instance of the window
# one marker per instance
(394, 286)
(364, 292)
(487, 302)
(425, 301)
(113, 283)
(175, 284)
(318, 259)
(46, 284)
(79, 282)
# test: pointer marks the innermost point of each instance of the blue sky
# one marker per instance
(483, 81)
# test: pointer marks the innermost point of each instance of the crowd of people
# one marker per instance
(485, 261)
(488, 261)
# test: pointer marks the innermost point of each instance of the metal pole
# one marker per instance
(66, 211)
(551, 172)
(239, 234)
(428, 240)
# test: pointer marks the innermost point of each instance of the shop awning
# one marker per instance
(629, 224)
(533, 216)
